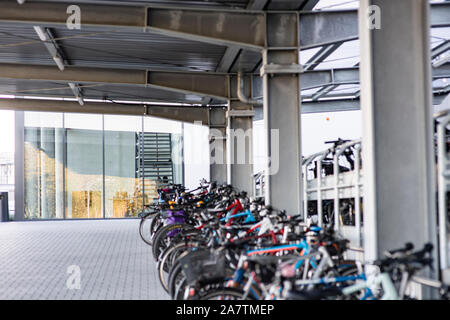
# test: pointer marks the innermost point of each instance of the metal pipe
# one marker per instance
(427, 282)
(358, 193)
(319, 189)
(443, 187)
(241, 92)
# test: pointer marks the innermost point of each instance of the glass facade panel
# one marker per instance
(7, 183)
(162, 147)
(80, 166)
(84, 166)
(123, 187)
(43, 165)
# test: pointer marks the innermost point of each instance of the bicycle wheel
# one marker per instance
(162, 239)
(175, 277)
(225, 294)
(155, 225)
(144, 226)
(180, 289)
(167, 259)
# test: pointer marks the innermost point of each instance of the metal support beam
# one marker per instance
(232, 52)
(257, 4)
(240, 137)
(328, 105)
(58, 56)
(441, 60)
(215, 26)
(46, 13)
(321, 28)
(320, 78)
(228, 59)
(77, 92)
(73, 74)
(52, 47)
(440, 49)
(398, 154)
(324, 91)
(179, 113)
(321, 55)
(309, 106)
(282, 114)
(218, 27)
(206, 84)
(218, 145)
(309, 4)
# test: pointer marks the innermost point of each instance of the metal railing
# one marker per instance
(258, 185)
(443, 177)
(336, 187)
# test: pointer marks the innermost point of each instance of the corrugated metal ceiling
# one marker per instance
(125, 49)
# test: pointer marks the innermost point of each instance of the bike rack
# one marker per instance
(258, 184)
(443, 189)
(340, 185)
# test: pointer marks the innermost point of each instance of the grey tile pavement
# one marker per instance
(113, 261)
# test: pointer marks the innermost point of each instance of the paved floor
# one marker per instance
(106, 259)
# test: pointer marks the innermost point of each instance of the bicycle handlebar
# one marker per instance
(408, 247)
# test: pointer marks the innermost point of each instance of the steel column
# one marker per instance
(218, 145)
(240, 137)
(282, 102)
(19, 167)
(398, 155)
(59, 172)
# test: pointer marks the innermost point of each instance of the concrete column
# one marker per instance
(281, 82)
(396, 103)
(218, 145)
(240, 138)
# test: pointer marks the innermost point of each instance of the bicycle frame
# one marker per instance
(383, 279)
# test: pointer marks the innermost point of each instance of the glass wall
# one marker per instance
(163, 164)
(123, 186)
(7, 132)
(80, 166)
(43, 165)
(84, 166)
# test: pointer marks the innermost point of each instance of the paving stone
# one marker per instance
(114, 262)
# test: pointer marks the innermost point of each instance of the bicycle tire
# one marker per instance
(161, 269)
(161, 238)
(165, 262)
(141, 229)
(180, 289)
(174, 274)
(228, 292)
(155, 225)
